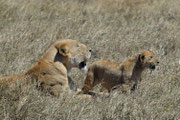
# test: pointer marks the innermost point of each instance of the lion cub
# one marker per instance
(126, 74)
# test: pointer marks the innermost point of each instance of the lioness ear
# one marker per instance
(63, 49)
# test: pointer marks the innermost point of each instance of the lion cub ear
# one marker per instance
(63, 49)
(141, 57)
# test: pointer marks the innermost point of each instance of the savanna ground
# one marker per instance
(115, 30)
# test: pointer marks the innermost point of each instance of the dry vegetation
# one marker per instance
(114, 29)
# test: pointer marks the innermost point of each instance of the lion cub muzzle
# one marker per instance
(153, 65)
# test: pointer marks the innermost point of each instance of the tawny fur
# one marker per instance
(53, 69)
(126, 74)
(10, 79)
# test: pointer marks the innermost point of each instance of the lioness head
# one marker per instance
(148, 59)
(73, 54)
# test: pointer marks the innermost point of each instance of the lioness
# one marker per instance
(52, 71)
(126, 74)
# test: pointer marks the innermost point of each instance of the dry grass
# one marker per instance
(114, 29)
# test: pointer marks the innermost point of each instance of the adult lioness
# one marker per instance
(126, 74)
(53, 68)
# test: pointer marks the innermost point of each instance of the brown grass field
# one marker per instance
(115, 30)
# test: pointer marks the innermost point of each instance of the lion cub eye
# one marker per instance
(151, 56)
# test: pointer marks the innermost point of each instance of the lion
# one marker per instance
(52, 71)
(125, 75)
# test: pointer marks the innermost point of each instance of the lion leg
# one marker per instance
(72, 84)
(134, 86)
(125, 88)
(106, 86)
(129, 86)
(56, 90)
(90, 82)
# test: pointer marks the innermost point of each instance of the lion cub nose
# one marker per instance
(153, 67)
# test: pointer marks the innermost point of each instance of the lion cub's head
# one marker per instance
(148, 59)
(73, 54)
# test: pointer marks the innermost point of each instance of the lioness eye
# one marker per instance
(151, 56)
